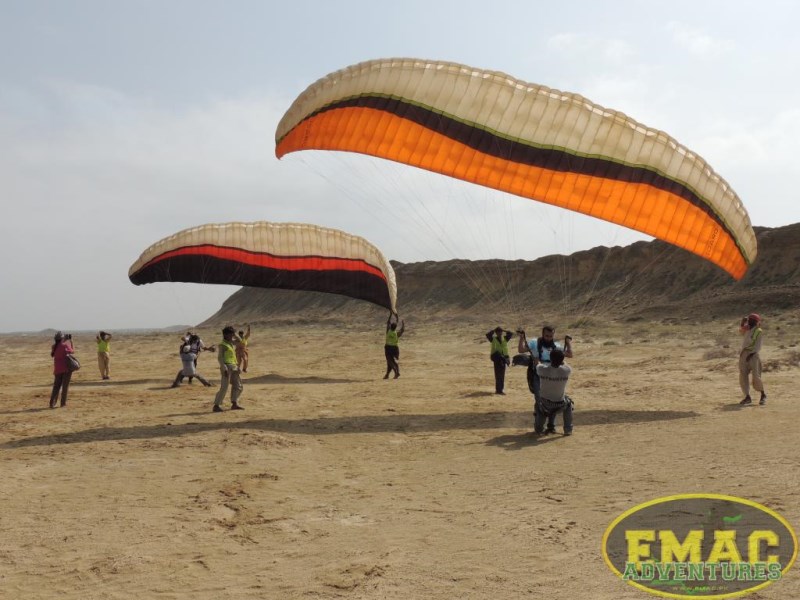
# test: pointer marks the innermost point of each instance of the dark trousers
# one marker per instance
(392, 353)
(61, 383)
(499, 372)
(179, 379)
(539, 416)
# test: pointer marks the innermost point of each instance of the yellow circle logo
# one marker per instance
(700, 546)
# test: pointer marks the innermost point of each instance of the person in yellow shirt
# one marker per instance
(103, 359)
(391, 348)
(498, 354)
(242, 353)
(229, 370)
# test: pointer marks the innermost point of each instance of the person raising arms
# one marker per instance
(391, 348)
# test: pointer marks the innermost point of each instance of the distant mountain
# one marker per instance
(643, 280)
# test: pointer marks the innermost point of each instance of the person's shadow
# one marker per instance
(520, 441)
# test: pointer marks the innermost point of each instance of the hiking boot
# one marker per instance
(236, 407)
(567, 432)
(746, 400)
(763, 399)
(216, 408)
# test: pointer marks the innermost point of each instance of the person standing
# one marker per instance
(229, 370)
(391, 348)
(103, 358)
(242, 353)
(750, 358)
(553, 399)
(62, 345)
(498, 354)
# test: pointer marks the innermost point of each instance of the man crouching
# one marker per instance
(552, 397)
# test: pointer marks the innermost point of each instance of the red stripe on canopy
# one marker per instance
(269, 261)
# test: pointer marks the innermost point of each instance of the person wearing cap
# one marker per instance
(61, 347)
(103, 359)
(229, 370)
(750, 358)
(498, 354)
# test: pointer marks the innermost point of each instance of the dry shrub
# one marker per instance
(789, 362)
(716, 353)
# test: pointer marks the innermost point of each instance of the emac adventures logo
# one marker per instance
(700, 546)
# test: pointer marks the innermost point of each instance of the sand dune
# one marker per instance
(334, 483)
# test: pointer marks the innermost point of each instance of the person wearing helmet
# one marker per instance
(750, 358)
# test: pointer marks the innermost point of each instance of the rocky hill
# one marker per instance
(646, 280)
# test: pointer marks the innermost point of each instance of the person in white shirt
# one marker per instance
(552, 393)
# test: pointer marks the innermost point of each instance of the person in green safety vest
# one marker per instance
(750, 358)
(103, 347)
(229, 369)
(498, 354)
(391, 349)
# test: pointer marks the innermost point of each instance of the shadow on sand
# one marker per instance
(412, 423)
(107, 383)
(518, 441)
(275, 378)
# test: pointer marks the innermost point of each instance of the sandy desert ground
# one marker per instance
(334, 483)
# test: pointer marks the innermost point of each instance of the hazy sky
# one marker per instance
(122, 122)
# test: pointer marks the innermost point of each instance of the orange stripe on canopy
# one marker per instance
(638, 206)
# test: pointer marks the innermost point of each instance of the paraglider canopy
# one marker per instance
(293, 256)
(526, 139)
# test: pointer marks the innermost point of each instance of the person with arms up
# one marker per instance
(391, 348)
(498, 354)
(62, 345)
(229, 370)
(750, 358)
(103, 358)
(242, 353)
